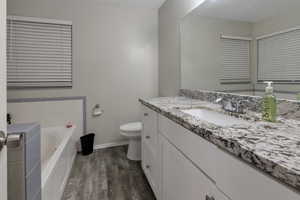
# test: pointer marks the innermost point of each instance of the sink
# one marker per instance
(214, 117)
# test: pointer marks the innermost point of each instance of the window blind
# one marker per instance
(279, 57)
(236, 60)
(39, 52)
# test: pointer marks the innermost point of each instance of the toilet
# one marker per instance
(132, 131)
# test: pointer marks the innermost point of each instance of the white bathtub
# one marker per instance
(58, 150)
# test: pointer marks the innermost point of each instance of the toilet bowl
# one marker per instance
(132, 131)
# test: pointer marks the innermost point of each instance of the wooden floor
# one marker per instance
(107, 175)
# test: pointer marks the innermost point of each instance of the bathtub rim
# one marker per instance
(54, 158)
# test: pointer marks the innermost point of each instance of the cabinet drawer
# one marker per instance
(199, 151)
(149, 166)
(149, 133)
(242, 182)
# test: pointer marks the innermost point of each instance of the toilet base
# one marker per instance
(134, 149)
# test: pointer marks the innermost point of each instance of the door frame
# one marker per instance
(3, 99)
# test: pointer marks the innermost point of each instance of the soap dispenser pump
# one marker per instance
(269, 110)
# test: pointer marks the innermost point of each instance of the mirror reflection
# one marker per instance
(237, 45)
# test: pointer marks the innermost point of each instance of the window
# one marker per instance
(236, 60)
(279, 56)
(39, 52)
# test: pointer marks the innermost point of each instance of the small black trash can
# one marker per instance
(87, 143)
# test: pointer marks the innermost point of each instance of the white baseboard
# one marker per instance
(112, 144)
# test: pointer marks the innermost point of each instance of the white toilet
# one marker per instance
(133, 132)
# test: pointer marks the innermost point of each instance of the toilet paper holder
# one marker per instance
(97, 111)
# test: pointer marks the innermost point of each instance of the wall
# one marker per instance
(115, 58)
(202, 51)
(170, 14)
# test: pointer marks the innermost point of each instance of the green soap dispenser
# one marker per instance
(269, 110)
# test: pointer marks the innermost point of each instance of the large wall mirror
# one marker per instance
(236, 45)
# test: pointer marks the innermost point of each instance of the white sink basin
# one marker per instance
(214, 117)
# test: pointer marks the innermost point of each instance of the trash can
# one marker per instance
(87, 143)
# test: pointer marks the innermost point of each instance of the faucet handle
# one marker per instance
(243, 100)
(218, 100)
(229, 106)
(240, 106)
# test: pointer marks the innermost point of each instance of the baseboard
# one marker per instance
(112, 144)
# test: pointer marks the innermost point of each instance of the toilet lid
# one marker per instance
(132, 127)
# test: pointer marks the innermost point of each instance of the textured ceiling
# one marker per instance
(247, 10)
(136, 3)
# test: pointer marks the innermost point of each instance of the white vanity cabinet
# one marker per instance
(183, 166)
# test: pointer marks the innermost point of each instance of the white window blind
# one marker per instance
(279, 57)
(236, 60)
(39, 52)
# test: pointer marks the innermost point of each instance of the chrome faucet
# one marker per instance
(240, 107)
(234, 107)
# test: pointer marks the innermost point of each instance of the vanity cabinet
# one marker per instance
(181, 165)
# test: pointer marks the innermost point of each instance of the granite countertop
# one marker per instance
(271, 147)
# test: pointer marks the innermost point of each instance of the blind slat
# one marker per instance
(13, 24)
(25, 46)
(39, 57)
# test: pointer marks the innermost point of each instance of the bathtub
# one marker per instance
(58, 150)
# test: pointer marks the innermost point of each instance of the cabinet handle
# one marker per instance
(148, 137)
(146, 114)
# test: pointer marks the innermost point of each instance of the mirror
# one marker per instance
(236, 45)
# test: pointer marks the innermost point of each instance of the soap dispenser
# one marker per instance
(269, 110)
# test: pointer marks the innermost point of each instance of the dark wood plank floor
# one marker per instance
(107, 175)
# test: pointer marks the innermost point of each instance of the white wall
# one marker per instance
(202, 51)
(170, 14)
(115, 58)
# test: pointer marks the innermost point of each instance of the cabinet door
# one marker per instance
(150, 168)
(149, 148)
(181, 179)
(159, 163)
(149, 133)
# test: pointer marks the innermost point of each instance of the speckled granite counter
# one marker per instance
(271, 147)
